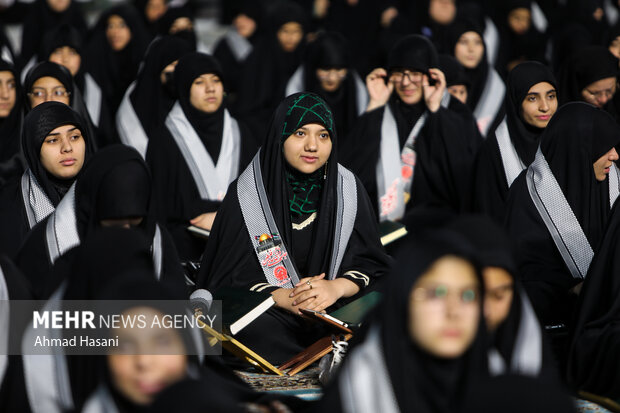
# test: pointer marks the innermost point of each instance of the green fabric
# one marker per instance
(307, 108)
(304, 192)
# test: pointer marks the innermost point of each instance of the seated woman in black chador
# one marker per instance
(425, 345)
(558, 208)
(295, 224)
(56, 145)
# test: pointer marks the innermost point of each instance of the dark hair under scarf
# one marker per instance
(149, 99)
(115, 184)
(39, 122)
(208, 126)
(578, 135)
(585, 67)
(478, 75)
(524, 137)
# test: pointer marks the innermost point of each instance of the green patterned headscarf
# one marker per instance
(305, 189)
(307, 108)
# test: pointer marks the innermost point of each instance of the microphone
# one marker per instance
(201, 300)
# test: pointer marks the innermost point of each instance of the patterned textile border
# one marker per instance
(584, 406)
(304, 384)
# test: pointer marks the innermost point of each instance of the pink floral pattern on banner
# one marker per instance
(389, 201)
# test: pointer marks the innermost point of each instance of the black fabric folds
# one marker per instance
(491, 186)
(575, 137)
(230, 259)
(11, 164)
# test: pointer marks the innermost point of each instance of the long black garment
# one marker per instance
(330, 50)
(113, 71)
(65, 35)
(387, 371)
(149, 99)
(445, 146)
(267, 70)
(107, 258)
(490, 176)
(39, 20)
(575, 138)
(177, 193)
(594, 334)
(518, 345)
(232, 51)
(13, 286)
(519, 47)
(11, 163)
(115, 184)
(46, 190)
(584, 67)
(230, 259)
(479, 77)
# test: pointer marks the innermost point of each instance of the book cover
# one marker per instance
(390, 231)
(240, 307)
(354, 312)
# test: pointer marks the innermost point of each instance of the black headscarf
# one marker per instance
(61, 36)
(530, 45)
(478, 75)
(586, 66)
(577, 136)
(150, 100)
(330, 50)
(594, 334)
(269, 67)
(115, 184)
(524, 137)
(50, 69)
(10, 128)
(413, 52)
(37, 124)
(420, 381)
(494, 249)
(453, 70)
(115, 70)
(62, 74)
(167, 21)
(208, 126)
(41, 19)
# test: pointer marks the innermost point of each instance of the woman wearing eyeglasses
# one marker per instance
(424, 347)
(408, 148)
(590, 76)
(327, 71)
(51, 82)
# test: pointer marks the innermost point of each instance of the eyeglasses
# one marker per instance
(438, 295)
(398, 76)
(607, 93)
(40, 93)
(325, 74)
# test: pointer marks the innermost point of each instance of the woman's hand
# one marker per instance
(434, 93)
(378, 91)
(204, 221)
(316, 293)
(282, 297)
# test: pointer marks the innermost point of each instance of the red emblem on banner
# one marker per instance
(280, 273)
